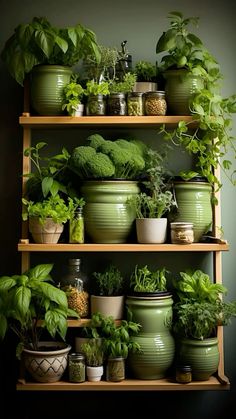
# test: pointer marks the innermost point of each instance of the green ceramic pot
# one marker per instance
(47, 82)
(194, 205)
(201, 355)
(155, 338)
(108, 217)
(179, 88)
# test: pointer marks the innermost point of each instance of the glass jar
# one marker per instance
(75, 285)
(155, 103)
(182, 233)
(135, 104)
(183, 374)
(96, 105)
(76, 227)
(117, 104)
(76, 367)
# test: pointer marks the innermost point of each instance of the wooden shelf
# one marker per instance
(213, 383)
(24, 246)
(53, 121)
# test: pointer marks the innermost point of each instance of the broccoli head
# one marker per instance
(79, 159)
(96, 141)
(100, 166)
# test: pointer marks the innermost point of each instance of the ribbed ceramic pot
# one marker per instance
(202, 355)
(155, 338)
(47, 82)
(179, 88)
(194, 205)
(108, 217)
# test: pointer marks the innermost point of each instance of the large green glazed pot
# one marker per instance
(194, 205)
(47, 82)
(180, 86)
(202, 355)
(155, 338)
(108, 217)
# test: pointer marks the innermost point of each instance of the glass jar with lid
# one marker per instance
(76, 227)
(135, 103)
(76, 367)
(117, 104)
(155, 103)
(96, 105)
(181, 232)
(74, 283)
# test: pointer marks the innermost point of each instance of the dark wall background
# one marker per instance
(141, 23)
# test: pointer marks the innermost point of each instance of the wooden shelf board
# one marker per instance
(47, 121)
(138, 385)
(24, 246)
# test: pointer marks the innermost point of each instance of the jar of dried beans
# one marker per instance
(155, 103)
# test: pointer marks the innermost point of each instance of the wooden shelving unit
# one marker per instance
(219, 382)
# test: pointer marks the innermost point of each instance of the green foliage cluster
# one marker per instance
(108, 159)
(93, 351)
(110, 281)
(39, 42)
(72, 96)
(144, 280)
(97, 88)
(126, 85)
(27, 298)
(199, 308)
(145, 71)
(105, 69)
(210, 139)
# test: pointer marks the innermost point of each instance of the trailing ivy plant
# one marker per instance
(209, 139)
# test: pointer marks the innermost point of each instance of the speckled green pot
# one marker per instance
(202, 355)
(47, 82)
(155, 338)
(108, 217)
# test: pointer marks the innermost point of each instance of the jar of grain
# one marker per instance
(182, 233)
(135, 103)
(155, 103)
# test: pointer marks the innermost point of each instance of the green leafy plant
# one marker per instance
(108, 159)
(53, 207)
(126, 85)
(105, 69)
(72, 96)
(145, 71)
(199, 307)
(94, 88)
(39, 42)
(48, 177)
(93, 351)
(110, 281)
(144, 280)
(209, 139)
(29, 297)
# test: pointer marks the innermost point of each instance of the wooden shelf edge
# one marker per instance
(45, 121)
(127, 385)
(25, 246)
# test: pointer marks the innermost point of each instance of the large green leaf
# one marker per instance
(22, 300)
(167, 41)
(47, 183)
(54, 294)
(40, 272)
(45, 42)
(6, 283)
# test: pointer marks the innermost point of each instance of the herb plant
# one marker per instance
(109, 282)
(145, 71)
(93, 351)
(94, 88)
(27, 298)
(72, 96)
(126, 85)
(39, 42)
(144, 280)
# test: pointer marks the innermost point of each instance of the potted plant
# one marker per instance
(96, 101)
(198, 311)
(47, 217)
(105, 69)
(119, 88)
(212, 112)
(154, 202)
(31, 304)
(146, 74)
(73, 94)
(47, 58)
(94, 355)
(109, 298)
(109, 171)
(150, 304)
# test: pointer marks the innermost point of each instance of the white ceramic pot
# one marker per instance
(108, 306)
(94, 373)
(79, 110)
(151, 230)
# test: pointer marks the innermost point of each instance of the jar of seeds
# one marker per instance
(155, 103)
(135, 103)
(117, 104)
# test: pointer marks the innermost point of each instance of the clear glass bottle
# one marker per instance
(117, 104)
(74, 283)
(135, 103)
(76, 367)
(96, 105)
(76, 227)
(155, 103)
